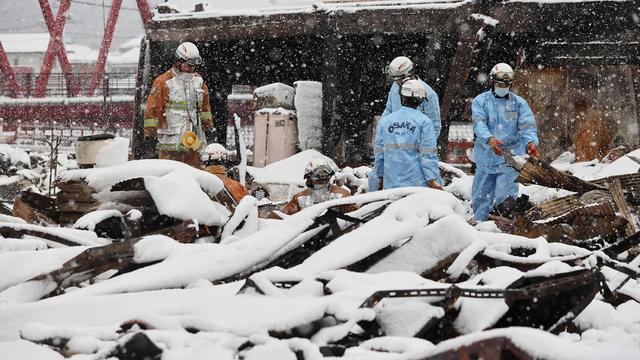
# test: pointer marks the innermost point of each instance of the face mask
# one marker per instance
(501, 92)
(184, 76)
(321, 186)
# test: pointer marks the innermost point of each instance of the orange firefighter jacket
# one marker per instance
(177, 102)
(235, 188)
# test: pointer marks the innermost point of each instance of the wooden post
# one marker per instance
(331, 44)
(452, 106)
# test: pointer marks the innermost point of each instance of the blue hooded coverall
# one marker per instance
(405, 149)
(430, 107)
(511, 121)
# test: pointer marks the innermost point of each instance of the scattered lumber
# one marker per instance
(35, 208)
(117, 256)
(75, 199)
(538, 172)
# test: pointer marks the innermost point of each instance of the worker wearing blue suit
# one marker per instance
(400, 69)
(430, 106)
(502, 120)
(405, 145)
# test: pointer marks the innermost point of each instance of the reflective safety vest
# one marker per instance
(177, 103)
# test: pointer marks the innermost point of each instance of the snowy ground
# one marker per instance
(190, 314)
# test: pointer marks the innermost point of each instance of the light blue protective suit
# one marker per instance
(430, 107)
(507, 119)
(405, 149)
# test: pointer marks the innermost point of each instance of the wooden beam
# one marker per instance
(618, 198)
(452, 103)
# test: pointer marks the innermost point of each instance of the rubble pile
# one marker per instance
(153, 259)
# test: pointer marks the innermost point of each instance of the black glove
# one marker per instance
(149, 148)
(209, 135)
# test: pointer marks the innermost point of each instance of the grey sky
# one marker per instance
(85, 25)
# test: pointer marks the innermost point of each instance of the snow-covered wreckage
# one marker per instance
(404, 276)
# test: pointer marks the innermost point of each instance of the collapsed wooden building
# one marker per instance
(577, 62)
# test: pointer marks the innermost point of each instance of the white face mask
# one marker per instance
(184, 76)
(501, 92)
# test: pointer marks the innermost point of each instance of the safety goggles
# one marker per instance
(192, 62)
(322, 173)
(504, 81)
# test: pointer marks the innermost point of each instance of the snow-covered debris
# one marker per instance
(189, 202)
(284, 178)
(89, 220)
(113, 153)
(308, 104)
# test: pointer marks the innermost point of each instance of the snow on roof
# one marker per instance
(270, 7)
(81, 54)
(130, 56)
(25, 42)
(130, 44)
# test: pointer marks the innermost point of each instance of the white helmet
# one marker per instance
(502, 73)
(215, 151)
(413, 89)
(188, 52)
(319, 169)
(399, 67)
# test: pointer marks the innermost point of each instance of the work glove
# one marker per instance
(434, 185)
(532, 150)
(207, 123)
(495, 145)
(149, 148)
(380, 184)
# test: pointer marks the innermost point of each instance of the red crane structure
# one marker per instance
(23, 110)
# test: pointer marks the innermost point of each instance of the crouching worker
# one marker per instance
(318, 174)
(215, 160)
(405, 145)
(178, 110)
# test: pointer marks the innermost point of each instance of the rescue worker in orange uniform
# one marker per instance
(214, 159)
(178, 110)
(318, 173)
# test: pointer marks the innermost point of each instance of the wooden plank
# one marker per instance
(451, 105)
(618, 198)
(74, 186)
(540, 173)
(116, 256)
(23, 210)
(65, 196)
(75, 206)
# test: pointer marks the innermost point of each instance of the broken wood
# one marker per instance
(538, 172)
(117, 256)
(618, 198)
(35, 208)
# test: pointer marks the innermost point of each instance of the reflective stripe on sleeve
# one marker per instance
(479, 120)
(526, 126)
(151, 122)
(206, 115)
(401, 147)
(428, 150)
